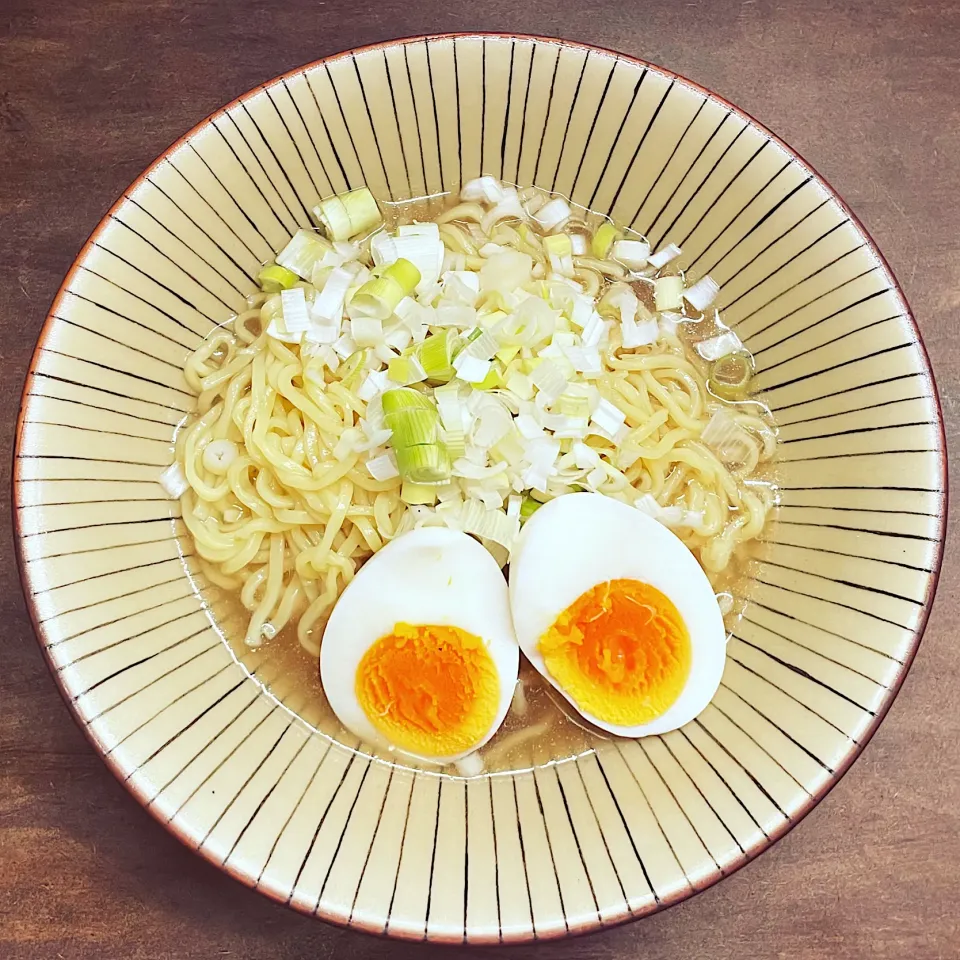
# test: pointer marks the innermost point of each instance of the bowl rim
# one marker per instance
(749, 854)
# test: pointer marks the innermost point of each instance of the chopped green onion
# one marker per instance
(528, 507)
(456, 443)
(559, 244)
(376, 299)
(553, 213)
(507, 355)
(436, 355)
(348, 214)
(730, 376)
(398, 400)
(559, 247)
(702, 293)
(632, 253)
(366, 331)
(379, 297)
(605, 237)
(406, 369)
(574, 406)
(418, 493)
(351, 369)
(304, 251)
(424, 463)
(405, 273)
(274, 278)
(411, 416)
(664, 255)
(493, 380)
(668, 293)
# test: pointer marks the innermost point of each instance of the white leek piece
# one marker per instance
(345, 346)
(585, 360)
(632, 253)
(470, 766)
(641, 334)
(519, 384)
(585, 457)
(328, 304)
(549, 380)
(470, 369)
(551, 215)
(492, 425)
(594, 331)
(608, 417)
(375, 384)
(295, 317)
(668, 293)
(506, 271)
(720, 346)
(366, 331)
(492, 525)
(668, 516)
(528, 426)
(664, 255)
(541, 454)
(483, 189)
(581, 310)
(347, 214)
(481, 344)
(174, 481)
(383, 467)
(398, 337)
(423, 250)
(702, 293)
(302, 252)
(380, 296)
(461, 286)
(559, 248)
(429, 229)
(730, 442)
(406, 370)
(325, 334)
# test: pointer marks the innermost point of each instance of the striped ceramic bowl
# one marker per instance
(839, 587)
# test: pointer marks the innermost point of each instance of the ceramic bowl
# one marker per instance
(838, 587)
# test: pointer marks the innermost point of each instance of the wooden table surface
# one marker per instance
(92, 90)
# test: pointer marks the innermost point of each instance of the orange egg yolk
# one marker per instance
(621, 651)
(430, 690)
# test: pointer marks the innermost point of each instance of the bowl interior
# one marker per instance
(258, 778)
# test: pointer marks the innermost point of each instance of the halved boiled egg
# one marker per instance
(616, 613)
(419, 653)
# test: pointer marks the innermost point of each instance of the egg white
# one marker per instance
(579, 540)
(431, 576)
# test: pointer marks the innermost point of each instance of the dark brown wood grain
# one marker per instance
(92, 90)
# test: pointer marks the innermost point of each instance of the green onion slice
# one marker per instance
(603, 240)
(348, 214)
(274, 278)
(730, 376)
(424, 463)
